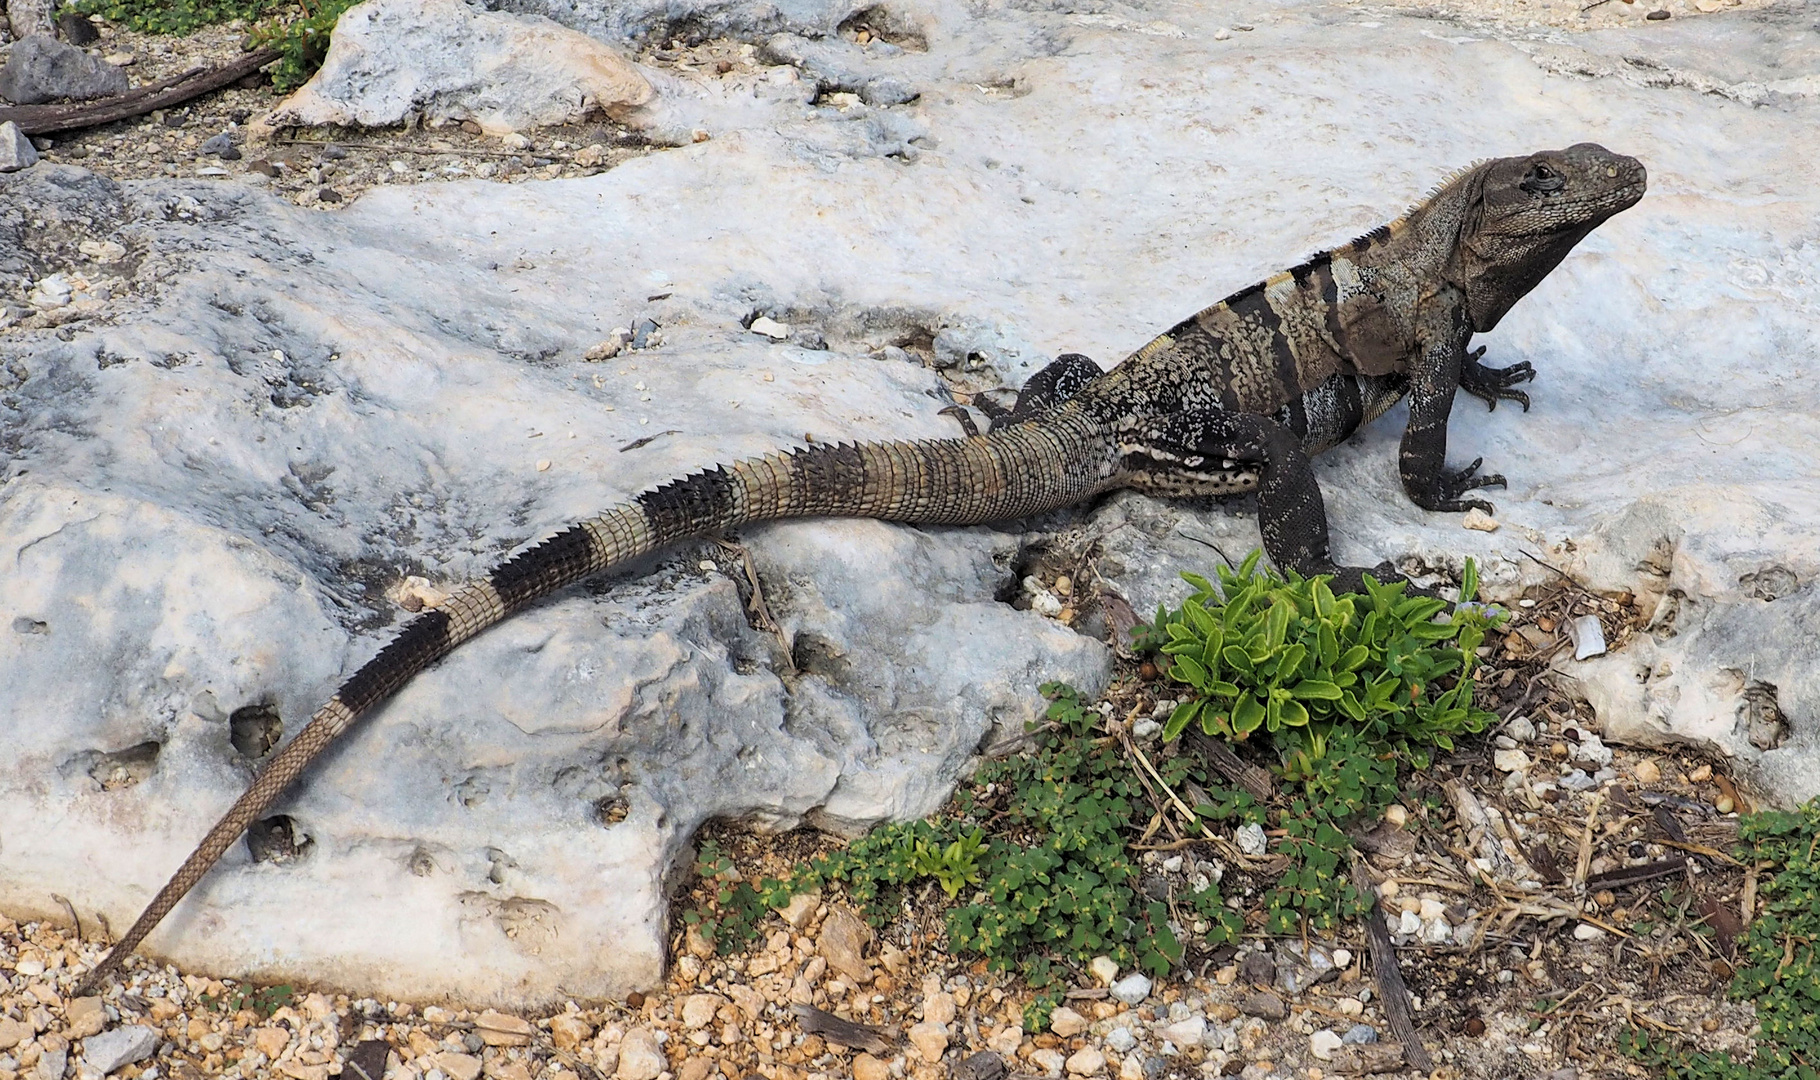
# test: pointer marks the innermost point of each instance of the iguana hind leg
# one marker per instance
(1048, 388)
(1291, 513)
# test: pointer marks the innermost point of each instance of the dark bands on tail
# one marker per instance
(694, 504)
(423, 641)
(543, 569)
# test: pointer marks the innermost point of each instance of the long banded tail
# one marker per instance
(1011, 473)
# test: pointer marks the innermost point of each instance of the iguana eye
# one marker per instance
(1543, 180)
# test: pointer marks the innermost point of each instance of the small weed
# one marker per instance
(298, 29)
(1779, 962)
(264, 1002)
(739, 908)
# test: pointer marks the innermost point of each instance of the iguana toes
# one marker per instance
(1234, 399)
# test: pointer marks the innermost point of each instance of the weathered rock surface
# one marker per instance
(391, 61)
(40, 68)
(16, 151)
(209, 491)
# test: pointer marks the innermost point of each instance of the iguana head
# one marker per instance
(1526, 213)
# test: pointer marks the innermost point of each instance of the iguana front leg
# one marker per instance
(1434, 376)
(1494, 384)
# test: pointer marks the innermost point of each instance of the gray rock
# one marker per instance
(41, 69)
(216, 144)
(1359, 1034)
(16, 151)
(122, 1046)
(1258, 969)
(51, 1065)
(1131, 989)
(887, 91)
(438, 60)
(1265, 1005)
(77, 29)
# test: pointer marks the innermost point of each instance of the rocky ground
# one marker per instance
(1618, 908)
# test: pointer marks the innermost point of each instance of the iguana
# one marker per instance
(1233, 399)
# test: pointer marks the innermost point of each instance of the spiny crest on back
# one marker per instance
(1448, 181)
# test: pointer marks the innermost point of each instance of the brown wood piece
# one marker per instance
(1220, 756)
(49, 119)
(1391, 989)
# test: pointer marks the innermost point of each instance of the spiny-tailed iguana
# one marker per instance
(1233, 399)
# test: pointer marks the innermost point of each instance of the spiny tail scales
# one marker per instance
(1010, 473)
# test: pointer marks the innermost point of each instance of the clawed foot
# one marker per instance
(1456, 482)
(1493, 385)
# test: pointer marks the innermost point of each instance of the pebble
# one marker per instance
(1510, 761)
(1067, 1023)
(640, 1058)
(121, 59)
(218, 145)
(1647, 772)
(1265, 1005)
(1588, 932)
(867, 1067)
(13, 1032)
(1251, 839)
(698, 1010)
(1186, 1033)
(512, 140)
(1121, 1040)
(1359, 1035)
(770, 328)
(1396, 814)
(1522, 729)
(1105, 969)
(455, 1065)
(1324, 1042)
(16, 151)
(1588, 637)
(930, 1040)
(1050, 1061)
(1700, 775)
(1724, 804)
(801, 909)
(1577, 780)
(1132, 988)
(1342, 958)
(1479, 521)
(1591, 750)
(1145, 728)
(1087, 1062)
(122, 1046)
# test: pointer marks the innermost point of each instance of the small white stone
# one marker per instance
(1396, 814)
(1588, 637)
(1587, 932)
(1046, 604)
(1132, 989)
(1324, 1042)
(770, 328)
(1437, 931)
(512, 140)
(122, 1046)
(1087, 1062)
(1251, 839)
(30, 968)
(1479, 521)
(1067, 1023)
(1121, 1040)
(1342, 959)
(1409, 923)
(1509, 761)
(1172, 864)
(1222, 34)
(16, 151)
(1186, 1033)
(1104, 969)
(1521, 728)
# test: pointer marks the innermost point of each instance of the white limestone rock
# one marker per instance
(391, 61)
(205, 498)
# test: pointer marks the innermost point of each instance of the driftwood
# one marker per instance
(1393, 994)
(49, 119)
(1256, 782)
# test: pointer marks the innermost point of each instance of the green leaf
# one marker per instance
(1316, 690)
(1189, 670)
(1180, 718)
(1469, 581)
(1276, 624)
(1247, 715)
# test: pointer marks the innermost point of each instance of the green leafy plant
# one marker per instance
(175, 16)
(264, 1001)
(1288, 658)
(298, 29)
(1779, 962)
(739, 909)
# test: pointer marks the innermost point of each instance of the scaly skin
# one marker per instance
(1234, 399)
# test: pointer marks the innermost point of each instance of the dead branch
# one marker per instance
(49, 119)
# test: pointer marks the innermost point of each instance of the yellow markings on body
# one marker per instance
(1158, 344)
(1279, 289)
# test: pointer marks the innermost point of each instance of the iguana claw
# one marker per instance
(1494, 384)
